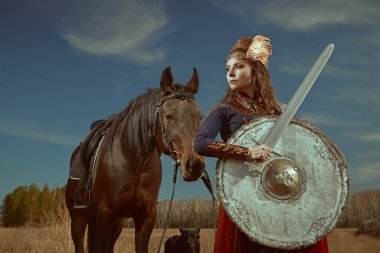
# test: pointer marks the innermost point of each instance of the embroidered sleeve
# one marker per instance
(205, 143)
(227, 151)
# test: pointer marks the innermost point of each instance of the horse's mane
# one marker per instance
(138, 120)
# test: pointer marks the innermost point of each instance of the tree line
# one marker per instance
(32, 205)
(362, 207)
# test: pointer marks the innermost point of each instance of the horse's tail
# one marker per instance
(91, 232)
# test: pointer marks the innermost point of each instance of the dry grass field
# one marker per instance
(56, 239)
(53, 235)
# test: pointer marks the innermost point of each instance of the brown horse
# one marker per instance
(127, 169)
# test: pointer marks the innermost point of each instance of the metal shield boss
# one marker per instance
(293, 199)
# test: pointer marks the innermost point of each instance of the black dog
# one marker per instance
(187, 242)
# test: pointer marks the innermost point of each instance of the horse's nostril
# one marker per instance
(188, 165)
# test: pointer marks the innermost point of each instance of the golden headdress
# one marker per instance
(256, 49)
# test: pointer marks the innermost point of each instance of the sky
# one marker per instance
(64, 64)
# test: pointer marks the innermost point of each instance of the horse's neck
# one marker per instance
(128, 150)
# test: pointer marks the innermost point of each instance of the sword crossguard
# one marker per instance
(252, 167)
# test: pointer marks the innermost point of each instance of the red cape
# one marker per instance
(229, 240)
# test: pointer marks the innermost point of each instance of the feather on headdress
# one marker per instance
(256, 49)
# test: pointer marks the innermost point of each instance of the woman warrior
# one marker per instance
(250, 94)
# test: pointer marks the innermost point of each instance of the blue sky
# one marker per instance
(64, 64)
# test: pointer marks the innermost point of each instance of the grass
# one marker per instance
(56, 239)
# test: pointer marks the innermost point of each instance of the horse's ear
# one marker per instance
(166, 81)
(193, 83)
(181, 230)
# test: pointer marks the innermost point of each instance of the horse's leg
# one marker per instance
(108, 229)
(116, 231)
(144, 225)
(91, 234)
(79, 218)
(78, 227)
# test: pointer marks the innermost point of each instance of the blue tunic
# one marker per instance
(226, 121)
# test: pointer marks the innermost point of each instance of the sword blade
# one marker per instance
(282, 122)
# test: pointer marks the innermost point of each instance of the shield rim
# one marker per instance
(342, 164)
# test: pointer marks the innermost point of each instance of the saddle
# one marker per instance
(91, 141)
(88, 148)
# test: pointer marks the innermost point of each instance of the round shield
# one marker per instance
(293, 199)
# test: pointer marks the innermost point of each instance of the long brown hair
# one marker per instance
(263, 90)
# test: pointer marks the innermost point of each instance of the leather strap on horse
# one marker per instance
(167, 138)
(206, 180)
(176, 165)
(173, 153)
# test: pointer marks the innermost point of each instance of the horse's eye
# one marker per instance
(169, 117)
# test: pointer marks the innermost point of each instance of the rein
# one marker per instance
(173, 153)
(176, 158)
(176, 165)
(206, 180)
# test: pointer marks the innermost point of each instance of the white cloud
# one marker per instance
(373, 39)
(350, 129)
(126, 29)
(365, 173)
(333, 71)
(37, 134)
(328, 120)
(300, 15)
(360, 94)
(354, 130)
(368, 136)
(293, 69)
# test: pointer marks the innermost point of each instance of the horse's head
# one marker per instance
(179, 119)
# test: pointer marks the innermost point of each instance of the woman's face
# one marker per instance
(239, 75)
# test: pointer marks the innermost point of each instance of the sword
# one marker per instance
(282, 122)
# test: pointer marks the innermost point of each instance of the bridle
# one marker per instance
(176, 156)
(167, 138)
(173, 153)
